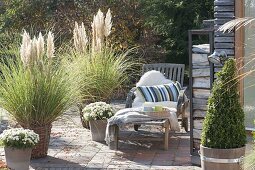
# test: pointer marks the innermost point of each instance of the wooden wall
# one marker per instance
(200, 93)
(224, 11)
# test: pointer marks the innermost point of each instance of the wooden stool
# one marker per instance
(163, 122)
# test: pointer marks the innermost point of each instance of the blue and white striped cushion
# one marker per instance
(165, 92)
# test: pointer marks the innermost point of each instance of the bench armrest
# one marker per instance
(130, 97)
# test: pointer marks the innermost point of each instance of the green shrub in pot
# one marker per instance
(223, 127)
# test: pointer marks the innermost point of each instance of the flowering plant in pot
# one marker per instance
(97, 114)
(18, 144)
(35, 88)
(223, 134)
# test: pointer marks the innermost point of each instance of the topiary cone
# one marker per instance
(223, 126)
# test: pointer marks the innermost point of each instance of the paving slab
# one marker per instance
(71, 148)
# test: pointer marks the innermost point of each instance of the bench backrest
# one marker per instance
(173, 72)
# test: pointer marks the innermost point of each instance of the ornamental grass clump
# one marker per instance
(223, 127)
(35, 87)
(97, 111)
(19, 138)
(100, 69)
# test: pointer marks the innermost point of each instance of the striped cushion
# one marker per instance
(159, 93)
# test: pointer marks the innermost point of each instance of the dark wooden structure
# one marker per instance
(202, 74)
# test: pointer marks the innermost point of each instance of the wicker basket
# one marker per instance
(85, 123)
(41, 149)
(157, 114)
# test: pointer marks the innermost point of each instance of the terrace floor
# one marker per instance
(71, 147)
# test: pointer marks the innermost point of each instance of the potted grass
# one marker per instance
(97, 114)
(223, 134)
(101, 70)
(18, 144)
(35, 88)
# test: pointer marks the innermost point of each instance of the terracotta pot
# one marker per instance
(41, 149)
(18, 158)
(97, 129)
(219, 159)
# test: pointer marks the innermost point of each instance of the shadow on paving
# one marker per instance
(53, 162)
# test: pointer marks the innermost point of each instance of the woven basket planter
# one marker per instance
(41, 149)
(85, 124)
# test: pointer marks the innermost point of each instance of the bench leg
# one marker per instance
(115, 131)
(167, 127)
(116, 135)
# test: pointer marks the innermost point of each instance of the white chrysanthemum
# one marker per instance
(97, 110)
(19, 137)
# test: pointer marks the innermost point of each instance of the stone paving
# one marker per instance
(71, 147)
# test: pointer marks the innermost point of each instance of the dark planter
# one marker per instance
(221, 159)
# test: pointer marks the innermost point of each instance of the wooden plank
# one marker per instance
(200, 60)
(204, 72)
(224, 39)
(223, 45)
(221, 21)
(224, 9)
(239, 48)
(198, 124)
(197, 133)
(200, 101)
(203, 82)
(224, 15)
(221, 34)
(199, 113)
(230, 52)
(224, 3)
(201, 93)
(199, 106)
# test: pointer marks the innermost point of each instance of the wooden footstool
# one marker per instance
(162, 122)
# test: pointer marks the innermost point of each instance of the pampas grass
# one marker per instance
(102, 73)
(100, 69)
(34, 89)
(101, 29)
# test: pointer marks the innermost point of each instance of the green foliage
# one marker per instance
(223, 126)
(172, 19)
(59, 16)
(38, 95)
(101, 73)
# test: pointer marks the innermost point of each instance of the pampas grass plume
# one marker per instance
(25, 49)
(40, 45)
(108, 23)
(50, 45)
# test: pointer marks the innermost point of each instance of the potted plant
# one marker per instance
(18, 144)
(223, 135)
(101, 69)
(35, 88)
(97, 114)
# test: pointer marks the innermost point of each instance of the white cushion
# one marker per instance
(150, 78)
